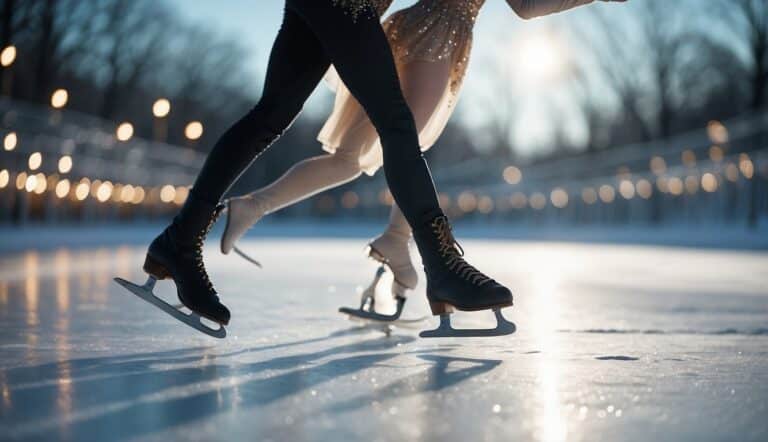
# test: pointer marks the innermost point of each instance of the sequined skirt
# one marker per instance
(415, 34)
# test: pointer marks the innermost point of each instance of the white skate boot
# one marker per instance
(391, 250)
(242, 213)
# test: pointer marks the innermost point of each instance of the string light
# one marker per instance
(65, 164)
(10, 141)
(8, 56)
(124, 131)
(161, 108)
(59, 98)
(35, 161)
(194, 130)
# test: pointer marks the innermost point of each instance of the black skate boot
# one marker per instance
(452, 283)
(178, 254)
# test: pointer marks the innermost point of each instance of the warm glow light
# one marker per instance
(62, 188)
(42, 184)
(607, 194)
(182, 192)
(167, 193)
(518, 200)
(161, 108)
(542, 58)
(35, 160)
(95, 185)
(5, 177)
(104, 191)
(644, 188)
(689, 158)
(124, 131)
(127, 193)
(82, 190)
(59, 98)
(21, 180)
(10, 141)
(675, 186)
(467, 201)
(65, 164)
(559, 197)
(194, 130)
(717, 132)
(138, 195)
(589, 195)
(8, 56)
(658, 165)
(746, 166)
(732, 172)
(627, 189)
(716, 153)
(538, 201)
(709, 182)
(512, 175)
(485, 204)
(31, 183)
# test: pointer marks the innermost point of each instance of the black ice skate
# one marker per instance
(178, 254)
(454, 284)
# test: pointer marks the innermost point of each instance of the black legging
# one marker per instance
(314, 34)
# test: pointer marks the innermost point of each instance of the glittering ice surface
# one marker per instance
(614, 343)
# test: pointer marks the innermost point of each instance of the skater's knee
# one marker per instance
(272, 116)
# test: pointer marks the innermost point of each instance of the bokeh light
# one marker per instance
(10, 141)
(512, 175)
(709, 182)
(167, 193)
(5, 177)
(59, 98)
(559, 197)
(62, 188)
(194, 130)
(35, 160)
(124, 131)
(65, 164)
(8, 56)
(161, 108)
(607, 193)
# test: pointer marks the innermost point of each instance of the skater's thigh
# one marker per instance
(424, 84)
(296, 64)
(360, 52)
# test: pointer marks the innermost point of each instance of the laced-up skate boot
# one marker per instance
(242, 213)
(178, 254)
(452, 283)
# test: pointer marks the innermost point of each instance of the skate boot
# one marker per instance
(178, 254)
(452, 283)
(391, 250)
(242, 213)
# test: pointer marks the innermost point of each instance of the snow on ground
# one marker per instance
(614, 342)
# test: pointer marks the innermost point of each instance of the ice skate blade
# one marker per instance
(193, 319)
(246, 257)
(444, 330)
(366, 317)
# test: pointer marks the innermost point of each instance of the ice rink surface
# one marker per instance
(631, 343)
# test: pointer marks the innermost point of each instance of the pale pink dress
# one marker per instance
(430, 30)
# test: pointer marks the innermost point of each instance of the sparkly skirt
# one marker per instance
(415, 34)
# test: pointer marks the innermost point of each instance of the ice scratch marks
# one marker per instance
(617, 358)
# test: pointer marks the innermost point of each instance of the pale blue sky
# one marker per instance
(255, 22)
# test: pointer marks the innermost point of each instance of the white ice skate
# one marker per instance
(242, 213)
(192, 319)
(394, 256)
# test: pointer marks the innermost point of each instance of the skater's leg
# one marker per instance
(297, 63)
(304, 179)
(423, 84)
(366, 67)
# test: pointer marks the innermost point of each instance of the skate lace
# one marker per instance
(199, 241)
(452, 251)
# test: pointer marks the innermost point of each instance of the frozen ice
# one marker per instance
(613, 342)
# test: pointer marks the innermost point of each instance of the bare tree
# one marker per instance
(749, 19)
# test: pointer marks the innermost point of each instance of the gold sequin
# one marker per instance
(434, 30)
(357, 7)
